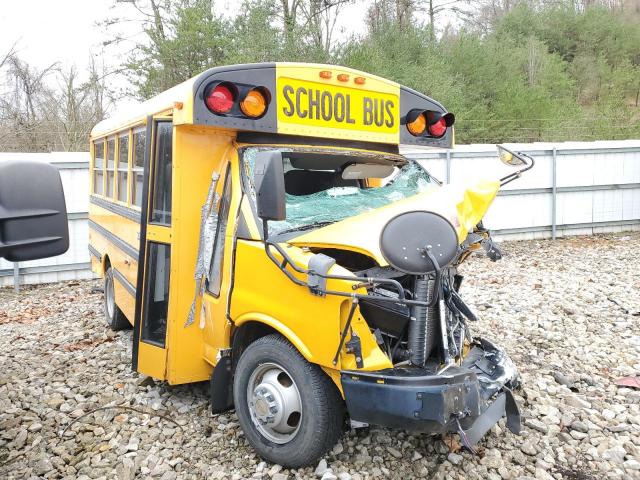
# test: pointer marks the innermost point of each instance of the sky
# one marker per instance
(67, 32)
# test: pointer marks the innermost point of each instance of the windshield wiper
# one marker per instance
(309, 226)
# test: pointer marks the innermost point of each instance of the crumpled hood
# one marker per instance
(463, 205)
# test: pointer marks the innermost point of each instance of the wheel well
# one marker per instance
(221, 383)
(106, 263)
(246, 334)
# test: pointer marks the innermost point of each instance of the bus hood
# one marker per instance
(463, 205)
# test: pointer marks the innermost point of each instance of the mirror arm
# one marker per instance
(512, 176)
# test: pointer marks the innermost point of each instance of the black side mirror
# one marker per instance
(33, 214)
(268, 178)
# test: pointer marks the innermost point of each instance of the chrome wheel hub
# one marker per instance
(274, 403)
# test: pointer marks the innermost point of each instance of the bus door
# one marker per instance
(154, 266)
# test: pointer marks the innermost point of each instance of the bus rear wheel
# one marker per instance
(288, 408)
(116, 320)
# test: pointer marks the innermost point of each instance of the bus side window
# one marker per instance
(161, 194)
(98, 167)
(218, 242)
(123, 166)
(137, 167)
(111, 155)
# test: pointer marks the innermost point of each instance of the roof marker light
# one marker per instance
(326, 74)
(343, 77)
(359, 80)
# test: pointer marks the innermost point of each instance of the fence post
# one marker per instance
(448, 167)
(554, 192)
(16, 277)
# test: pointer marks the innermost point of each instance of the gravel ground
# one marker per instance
(567, 312)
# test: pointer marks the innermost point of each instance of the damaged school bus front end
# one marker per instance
(361, 276)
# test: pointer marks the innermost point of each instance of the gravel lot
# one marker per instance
(568, 312)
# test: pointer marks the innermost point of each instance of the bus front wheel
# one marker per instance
(113, 315)
(288, 408)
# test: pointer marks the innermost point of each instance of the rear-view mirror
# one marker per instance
(33, 214)
(268, 178)
(513, 159)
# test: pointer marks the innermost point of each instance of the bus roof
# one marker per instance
(302, 99)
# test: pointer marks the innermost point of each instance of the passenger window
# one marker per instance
(218, 243)
(111, 155)
(123, 166)
(98, 166)
(154, 325)
(137, 167)
(161, 194)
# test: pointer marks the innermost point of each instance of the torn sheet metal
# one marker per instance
(208, 225)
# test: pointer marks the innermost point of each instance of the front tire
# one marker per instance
(289, 409)
(114, 317)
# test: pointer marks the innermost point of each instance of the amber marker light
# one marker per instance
(418, 125)
(326, 74)
(359, 80)
(343, 77)
(254, 104)
(178, 105)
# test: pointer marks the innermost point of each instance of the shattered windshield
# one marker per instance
(320, 190)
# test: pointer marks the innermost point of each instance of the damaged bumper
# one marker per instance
(468, 399)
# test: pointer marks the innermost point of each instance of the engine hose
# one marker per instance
(422, 328)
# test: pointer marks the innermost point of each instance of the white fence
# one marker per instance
(574, 189)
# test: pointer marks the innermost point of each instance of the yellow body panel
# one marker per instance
(313, 106)
(198, 152)
(312, 323)
(463, 206)
(152, 360)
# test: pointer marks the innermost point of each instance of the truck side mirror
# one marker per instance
(33, 214)
(268, 178)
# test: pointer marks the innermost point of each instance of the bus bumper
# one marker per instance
(468, 399)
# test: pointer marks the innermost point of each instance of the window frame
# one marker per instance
(136, 170)
(100, 140)
(118, 169)
(114, 138)
(153, 177)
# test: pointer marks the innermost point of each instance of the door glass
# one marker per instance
(156, 294)
(161, 195)
(218, 243)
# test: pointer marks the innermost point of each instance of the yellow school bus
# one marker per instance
(258, 229)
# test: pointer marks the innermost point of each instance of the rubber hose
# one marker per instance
(422, 328)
